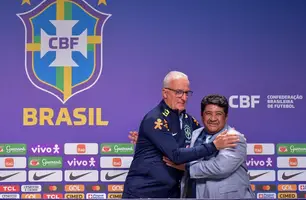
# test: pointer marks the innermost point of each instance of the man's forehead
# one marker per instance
(213, 108)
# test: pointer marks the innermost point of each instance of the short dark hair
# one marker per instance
(215, 99)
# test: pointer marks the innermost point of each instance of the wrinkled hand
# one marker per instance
(171, 164)
(225, 140)
(133, 136)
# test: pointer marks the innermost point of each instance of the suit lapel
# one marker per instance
(195, 136)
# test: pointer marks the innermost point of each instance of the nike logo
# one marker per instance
(108, 177)
(36, 178)
(2, 178)
(285, 177)
(71, 177)
(256, 176)
(174, 134)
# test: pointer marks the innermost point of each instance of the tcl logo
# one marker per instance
(115, 188)
(287, 187)
(9, 162)
(293, 162)
(81, 148)
(53, 196)
(258, 148)
(31, 196)
(243, 101)
(117, 162)
(9, 188)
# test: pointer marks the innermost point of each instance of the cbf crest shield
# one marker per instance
(63, 46)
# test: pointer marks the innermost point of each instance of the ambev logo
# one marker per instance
(13, 149)
(117, 148)
(45, 162)
(291, 149)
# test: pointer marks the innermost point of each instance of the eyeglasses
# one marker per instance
(180, 93)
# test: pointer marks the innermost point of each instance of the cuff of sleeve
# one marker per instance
(187, 167)
(213, 147)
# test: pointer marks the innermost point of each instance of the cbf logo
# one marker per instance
(63, 46)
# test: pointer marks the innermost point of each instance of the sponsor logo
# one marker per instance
(108, 177)
(9, 196)
(291, 149)
(53, 188)
(260, 149)
(287, 187)
(9, 162)
(74, 188)
(81, 175)
(81, 149)
(41, 149)
(12, 162)
(53, 196)
(291, 175)
(259, 161)
(95, 196)
(115, 188)
(74, 196)
(2, 178)
(45, 162)
(81, 161)
(13, 176)
(13, 149)
(45, 175)
(95, 188)
(75, 177)
(302, 187)
(266, 195)
(117, 148)
(114, 195)
(289, 195)
(253, 187)
(113, 175)
(291, 162)
(261, 175)
(265, 187)
(31, 188)
(31, 196)
(36, 178)
(9, 188)
(115, 162)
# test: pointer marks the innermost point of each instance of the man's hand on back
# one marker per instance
(225, 140)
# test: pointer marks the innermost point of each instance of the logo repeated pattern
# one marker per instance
(277, 176)
(86, 170)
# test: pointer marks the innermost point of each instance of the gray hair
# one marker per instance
(172, 76)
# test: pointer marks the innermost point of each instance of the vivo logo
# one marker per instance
(45, 149)
(259, 163)
(77, 162)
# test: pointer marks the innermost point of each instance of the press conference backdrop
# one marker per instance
(78, 75)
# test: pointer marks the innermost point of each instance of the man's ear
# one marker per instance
(164, 93)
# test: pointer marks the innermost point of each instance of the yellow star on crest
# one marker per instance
(26, 1)
(102, 1)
